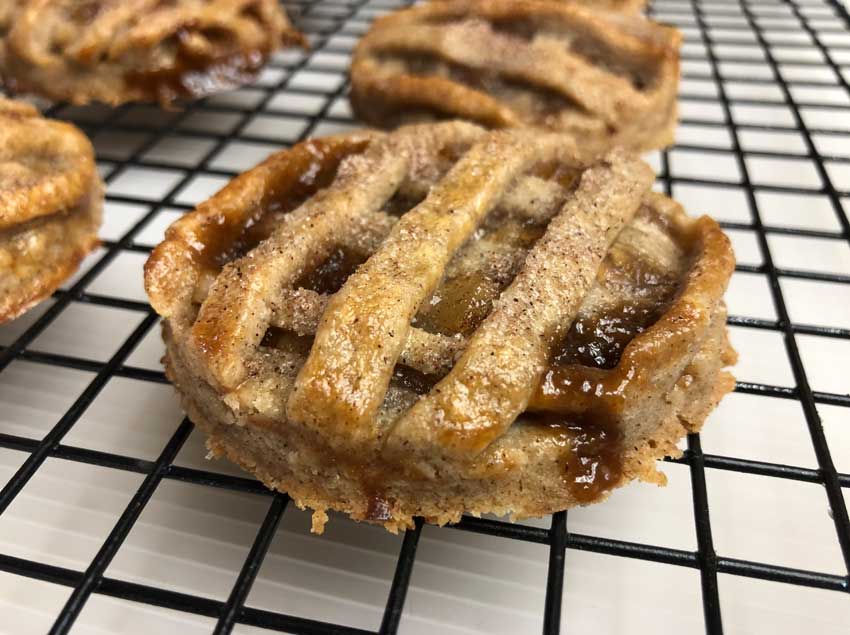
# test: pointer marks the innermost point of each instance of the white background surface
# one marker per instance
(194, 538)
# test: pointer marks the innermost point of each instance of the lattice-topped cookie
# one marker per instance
(117, 51)
(444, 320)
(608, 79)
(51, 199)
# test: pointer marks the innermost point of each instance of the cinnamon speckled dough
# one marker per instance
(444, 320)
(606, 78)
(51, 199)
(116, 51)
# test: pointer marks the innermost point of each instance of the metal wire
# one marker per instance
(233, 611)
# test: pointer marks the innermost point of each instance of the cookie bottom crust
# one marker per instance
(282, 460)
(36, 257)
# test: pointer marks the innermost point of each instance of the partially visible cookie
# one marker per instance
(51, 200)
(116, 51)
(606, 78)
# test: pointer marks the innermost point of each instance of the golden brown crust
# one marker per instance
(506, 317)
(138, 50)
(608, 79)
(50, 205)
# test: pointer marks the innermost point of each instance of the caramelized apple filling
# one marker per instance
(194, 76)
(581, 396)
(591, 455)
(287, 340)
(599, 341)
(413, 380)
(329, 276)
(458, 305)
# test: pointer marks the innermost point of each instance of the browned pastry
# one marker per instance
(116, 51)
(51, 199)
(608, 79)
(444, 320)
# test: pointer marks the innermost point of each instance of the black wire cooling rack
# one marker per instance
(818, 28)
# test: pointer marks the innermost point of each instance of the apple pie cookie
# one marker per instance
(444, 320)
(51, 199)
(607, 79)
(116, 51)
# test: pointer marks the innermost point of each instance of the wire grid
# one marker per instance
(803, 25)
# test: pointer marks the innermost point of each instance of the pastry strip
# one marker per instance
(300, 311)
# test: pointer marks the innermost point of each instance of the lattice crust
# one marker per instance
(607, 78)
(433, 309)
(125, 50)
(50, 205)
